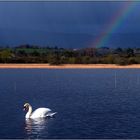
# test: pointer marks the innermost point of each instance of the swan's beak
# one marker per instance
(24, 108)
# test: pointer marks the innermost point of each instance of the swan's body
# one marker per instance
(38, 113)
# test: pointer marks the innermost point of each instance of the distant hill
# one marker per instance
(65, 40)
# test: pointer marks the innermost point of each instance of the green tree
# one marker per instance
(71, 60)
(21, 53)
(130, 52)
(35, 53)
(110, 59)
(121, 61)
(118, 50)
(53, 59)
(132, 60)
(5, 55)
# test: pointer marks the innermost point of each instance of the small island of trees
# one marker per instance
(58, 56)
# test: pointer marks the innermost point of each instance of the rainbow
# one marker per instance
(114, 23)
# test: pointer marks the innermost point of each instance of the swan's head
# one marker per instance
(26, 106)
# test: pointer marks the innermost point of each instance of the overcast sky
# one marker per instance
(66, 24)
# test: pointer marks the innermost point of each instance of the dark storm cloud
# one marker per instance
(55, 22)
(33, 14)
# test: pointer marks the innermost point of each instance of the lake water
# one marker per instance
(91, 103)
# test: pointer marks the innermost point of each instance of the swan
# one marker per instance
(38, 113)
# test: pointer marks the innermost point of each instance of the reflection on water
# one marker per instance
(34, 127)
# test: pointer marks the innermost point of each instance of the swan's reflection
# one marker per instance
(35, 127)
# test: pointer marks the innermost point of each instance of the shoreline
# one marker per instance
(67, 66)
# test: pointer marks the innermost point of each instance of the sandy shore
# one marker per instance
(67, 66)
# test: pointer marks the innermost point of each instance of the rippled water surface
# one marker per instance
(94, 103)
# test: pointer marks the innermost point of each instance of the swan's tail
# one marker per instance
(51, 114)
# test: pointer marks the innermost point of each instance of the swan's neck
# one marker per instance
(29, 112)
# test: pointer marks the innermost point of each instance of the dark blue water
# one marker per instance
(94, 103)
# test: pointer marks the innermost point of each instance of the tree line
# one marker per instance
(58, 56)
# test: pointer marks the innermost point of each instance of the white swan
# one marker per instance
(38, 113)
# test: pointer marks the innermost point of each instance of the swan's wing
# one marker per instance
(50, 114)
(40, 113)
